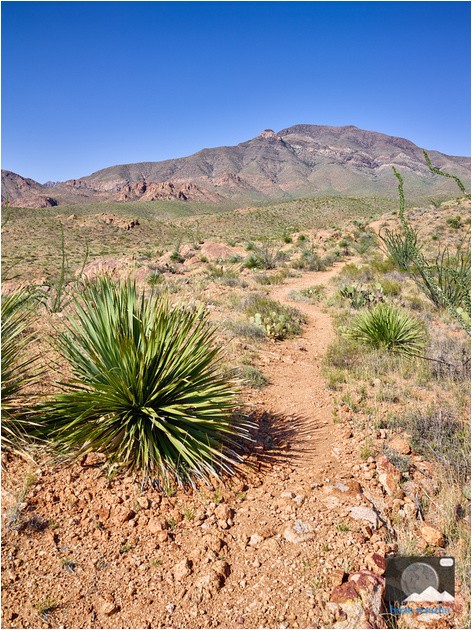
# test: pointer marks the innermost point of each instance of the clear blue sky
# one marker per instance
(92, 84)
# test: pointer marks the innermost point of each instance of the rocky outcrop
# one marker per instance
(120, 222)
(169, 191)
(23, 192)
(357, 603)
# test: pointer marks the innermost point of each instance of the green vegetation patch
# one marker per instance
(278, 321)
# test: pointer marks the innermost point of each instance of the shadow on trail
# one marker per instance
(280, 438)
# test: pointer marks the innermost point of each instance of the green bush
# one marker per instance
(252, 262)
(278, 321)
(309, 260)
(245, 329)
(154, 278)
(226, 275)
(177, 257)
(275, 278)
(314, 293)
(388, 327)
(400, 246)
(364, 242)
(391, 288)
(360, 296)
(446, 280)
(264, 256)
(146, 387)
(455, 222)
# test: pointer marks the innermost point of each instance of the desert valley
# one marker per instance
(234, 384)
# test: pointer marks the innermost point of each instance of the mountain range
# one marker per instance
(300, 161)
(430, 594)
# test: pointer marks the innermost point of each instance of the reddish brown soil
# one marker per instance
(265, 550)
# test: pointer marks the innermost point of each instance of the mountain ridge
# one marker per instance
(298, 161)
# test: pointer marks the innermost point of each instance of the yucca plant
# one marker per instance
(388, 327)
(19, 369)
(146, 388)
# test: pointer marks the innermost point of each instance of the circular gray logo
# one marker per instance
(417, 577)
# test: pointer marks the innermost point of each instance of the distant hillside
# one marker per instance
(301, 161)
(25, 192)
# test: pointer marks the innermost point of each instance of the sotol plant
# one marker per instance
(388, 327)
(19, 369)
(146, 388)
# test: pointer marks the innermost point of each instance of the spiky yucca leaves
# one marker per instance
(18, 369)
(388, 327)
(146, 389)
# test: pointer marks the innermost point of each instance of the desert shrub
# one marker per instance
(450, 357)
(309, 261)
(364, 242)
(250, 376)
(390, 288)
(415, 303)
(455, 222)
(447, 279)
(345, 244)
(287, 237)
(382, 265)
(330, 258)
(245, 329)
(351, 274)
(386, 326)
(155, 278)
(57, 292)
(360, 296)
(343, 354)
(19, 369)
(146, 387)
(444, 280)
(278, 321)
(177, 257)
(314, 293)
(400, 247)
(264, 256)
(275, 278)
(252, 262)
(437, 433)
(225, 275)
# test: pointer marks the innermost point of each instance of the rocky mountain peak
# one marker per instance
(269, 134)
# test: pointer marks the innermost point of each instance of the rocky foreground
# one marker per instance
(285, 546)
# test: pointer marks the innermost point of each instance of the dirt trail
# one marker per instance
(265, 553)
(297, 389)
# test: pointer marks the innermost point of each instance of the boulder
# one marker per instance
(431, 535)
(390, 477)
(358, 602)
